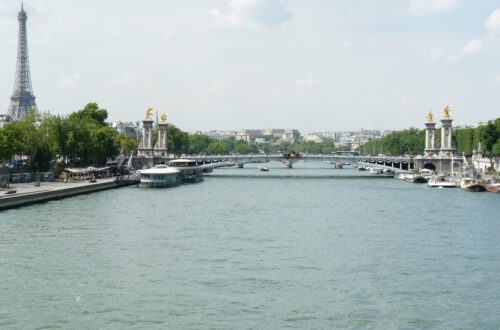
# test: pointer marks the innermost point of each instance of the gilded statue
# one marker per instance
(149, 113)
(429, 117)
(163, 118)
(446, 113)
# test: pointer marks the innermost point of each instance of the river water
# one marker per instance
(304, 248)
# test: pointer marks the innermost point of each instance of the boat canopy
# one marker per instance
(160, 169)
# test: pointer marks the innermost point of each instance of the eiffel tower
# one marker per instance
(22, 98)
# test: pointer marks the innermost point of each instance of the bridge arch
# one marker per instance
(430, 166)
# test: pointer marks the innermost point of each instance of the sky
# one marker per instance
(314, 65)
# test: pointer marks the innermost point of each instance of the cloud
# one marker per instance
(264, 12)
(428, 7)
(493, 22)
(472, 47)
(68, 82)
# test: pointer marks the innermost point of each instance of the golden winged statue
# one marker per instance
(149, 113)
(446, 112)
(429, 117)
(163, 118)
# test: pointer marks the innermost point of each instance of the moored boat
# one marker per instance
(470, 184)
(493, 187)
(189, 170)
(160, 176)
(442, 181)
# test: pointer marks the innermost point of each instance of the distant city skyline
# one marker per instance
(231, 65)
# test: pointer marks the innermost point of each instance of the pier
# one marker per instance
(21, 194)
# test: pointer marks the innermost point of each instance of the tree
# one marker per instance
(6, 146)
(490, 136)
(125, 144)
(218, 147)
(198, 143)
(177, 140)
(242, 147)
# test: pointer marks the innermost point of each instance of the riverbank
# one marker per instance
(21, 194)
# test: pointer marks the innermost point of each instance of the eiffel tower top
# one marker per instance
(22, 98)
(22, 13)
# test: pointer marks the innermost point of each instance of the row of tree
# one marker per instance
(180, 142)
(80, 139)
(412, 141)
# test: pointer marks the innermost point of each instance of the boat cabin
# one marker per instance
(160, 176)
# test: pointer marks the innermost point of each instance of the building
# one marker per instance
(220, 135)
(283, 135)
(22, 98)
(316, 138)
(128, 128)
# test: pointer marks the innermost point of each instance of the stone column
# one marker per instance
(146, 147)
(430, 147)
(447, 148)
(160, 149)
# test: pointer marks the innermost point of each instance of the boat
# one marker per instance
(442, 181)
(190, 170)
(470, 184)
(423, 176)
(375, 170)
(389, 173)
(492, 187)
(263, 168)
(160, 176)
(362, 168)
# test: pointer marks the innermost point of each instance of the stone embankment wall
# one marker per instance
(20, 199)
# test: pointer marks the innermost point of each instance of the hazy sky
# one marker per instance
(315, 65)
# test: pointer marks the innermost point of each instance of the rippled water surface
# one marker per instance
(300, 248)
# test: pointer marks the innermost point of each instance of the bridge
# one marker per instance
(401, 163)
(437, 163)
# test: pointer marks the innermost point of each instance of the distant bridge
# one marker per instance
(398, 163)
(401, 163)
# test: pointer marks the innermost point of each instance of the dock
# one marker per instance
(21, 194)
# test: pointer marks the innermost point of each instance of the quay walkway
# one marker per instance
(21, 194)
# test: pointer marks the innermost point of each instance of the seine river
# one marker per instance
(301, 248)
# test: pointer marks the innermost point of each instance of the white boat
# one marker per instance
(190, 170)
(442, 181)
(160, 176)
(264, 168)
(376, 170)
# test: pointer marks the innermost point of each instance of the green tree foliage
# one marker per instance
(30, 138)
(410, 141)
(490, 137)
(80, 139)
(177, 140)
(198, 144)
(242, 147)
(219, 147)
(125, 144)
